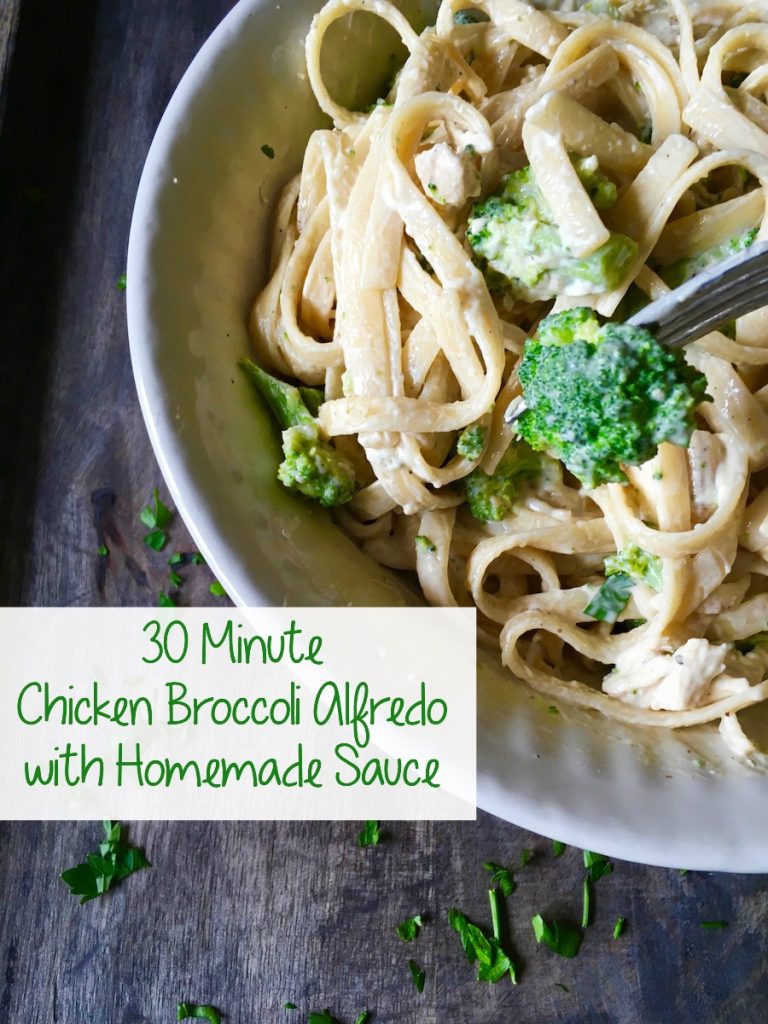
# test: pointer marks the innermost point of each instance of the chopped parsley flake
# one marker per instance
(597, 865)
(586, 902)
(714, 925)
(156, 539)
(175, 579)
(164, 601)
(217, 590)
(562, 939)
(493, 963)
(425, 544)
(558, 848)
(417, 975)
(618, 928)
(156, 516)
(502, 877)
(268, 152)
(410, 928)
(114, 862)
(186, 1010)
(290, 1006)
(121, 282)
(526, 857)
(370, 835)
(102, 550)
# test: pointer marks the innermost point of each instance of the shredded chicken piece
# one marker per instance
(448, 178)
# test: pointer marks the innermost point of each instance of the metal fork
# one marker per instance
(730, 289)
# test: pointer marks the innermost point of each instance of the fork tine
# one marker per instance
(720, 293)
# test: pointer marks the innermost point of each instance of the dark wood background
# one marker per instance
(245, 916)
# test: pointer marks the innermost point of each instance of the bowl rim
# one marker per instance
(522, 806)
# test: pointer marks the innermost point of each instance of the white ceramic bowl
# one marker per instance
(196, 260)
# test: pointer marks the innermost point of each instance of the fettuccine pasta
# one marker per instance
(376, 296)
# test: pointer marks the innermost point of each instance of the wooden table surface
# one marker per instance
(244, 916)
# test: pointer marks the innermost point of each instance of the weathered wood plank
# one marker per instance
(9, 21)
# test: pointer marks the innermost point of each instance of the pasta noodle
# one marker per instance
(374, 295)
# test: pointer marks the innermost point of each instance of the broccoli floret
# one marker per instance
(471, 442)
(518, 245)
(311, 464)
(642, 566)
(492, 496)
(683, 270)
(314, 467)
(599, 397)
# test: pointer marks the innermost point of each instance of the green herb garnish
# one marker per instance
(597, 865)
(290, 1006)
(102, 550)
(156, 516)
(425, 543)
(526, 857)
(186, 1010)
(175, 579)
(618, 928)
(713, 925)
(217, 590)
(502, 876)
(268, 152)
(417, 975)
(370, 835)
(156, 539)
(586, 901)
(121, 282)
(493, 963)
(114, 862)
(560, 938)
(558, 848)
(410, 928)
(165, 601)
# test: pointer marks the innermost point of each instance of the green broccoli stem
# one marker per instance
(291, 406)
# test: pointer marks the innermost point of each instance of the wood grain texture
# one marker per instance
(246, 916)
(9, 21)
